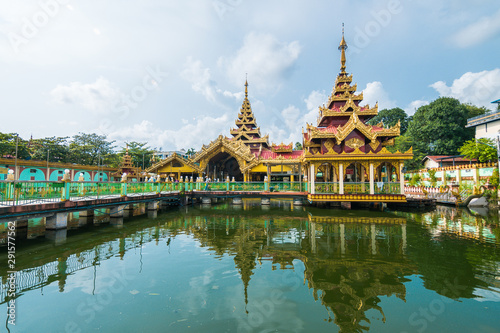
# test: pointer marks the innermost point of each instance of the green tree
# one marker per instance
(494, 179)
(390, 117)
(56, 149)
(439, 128)
(481, 149)
(298, 146)
(8, 146)
(140, 153)
(475, 111)
(190, 152)
(432, 177)
(88, 148)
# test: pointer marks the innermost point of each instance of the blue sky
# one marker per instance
(172, 72)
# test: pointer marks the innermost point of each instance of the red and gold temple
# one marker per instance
(344, 158)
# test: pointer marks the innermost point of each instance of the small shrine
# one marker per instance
(126, 166)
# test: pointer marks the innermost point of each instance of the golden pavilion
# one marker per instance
(343, 157)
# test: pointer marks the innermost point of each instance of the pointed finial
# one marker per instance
(342, 48)
(246, 86)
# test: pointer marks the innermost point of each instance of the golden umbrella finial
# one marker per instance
(342, 48)
(246, 85)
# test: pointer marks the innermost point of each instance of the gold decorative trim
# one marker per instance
(354, 143)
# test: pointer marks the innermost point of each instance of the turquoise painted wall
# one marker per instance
(104, 177)
(56, 173)
(86, 175)
(27, 174)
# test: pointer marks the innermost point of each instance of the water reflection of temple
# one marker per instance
(349, 262)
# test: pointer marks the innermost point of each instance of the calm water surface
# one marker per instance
(226, 268)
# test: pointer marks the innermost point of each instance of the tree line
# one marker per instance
(438, 128)
(82, 148)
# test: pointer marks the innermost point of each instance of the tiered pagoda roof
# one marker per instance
(343, 100)
(247, 130)
(126, 166)
(342, 121)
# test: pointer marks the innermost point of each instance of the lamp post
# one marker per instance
(16, 176)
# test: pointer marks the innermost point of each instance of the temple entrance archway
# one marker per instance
(223, 165)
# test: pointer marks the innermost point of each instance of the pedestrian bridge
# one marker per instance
(30, 197)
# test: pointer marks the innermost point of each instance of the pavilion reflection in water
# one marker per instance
(350, 262)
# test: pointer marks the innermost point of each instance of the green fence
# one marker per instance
(252, 186)
(357, 188)
(387, 188)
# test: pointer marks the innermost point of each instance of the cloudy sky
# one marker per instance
(172, 72)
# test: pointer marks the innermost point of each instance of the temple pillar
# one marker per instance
(335, 180)
(372, 179)
(362, 169)
(459, 178)
(313, 178)
(341, 178)
(401, 180)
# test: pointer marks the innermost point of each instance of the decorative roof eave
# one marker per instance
(367, 111)
(354, 123)
(346, 87)
(345, 97)
(342, 78)
(245, 122)
(171, 158)
(383, 154)
(235, 147)
(282, 148)
(283, 161)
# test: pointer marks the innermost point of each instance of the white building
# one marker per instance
(487, 125)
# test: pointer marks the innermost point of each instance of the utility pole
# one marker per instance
(16, 176)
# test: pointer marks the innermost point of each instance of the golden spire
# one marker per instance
(342, 48)
(246, 87)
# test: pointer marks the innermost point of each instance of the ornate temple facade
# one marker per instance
(246, 156)
(344, 158)
(347, 155)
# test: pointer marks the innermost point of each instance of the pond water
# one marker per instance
(225, 268)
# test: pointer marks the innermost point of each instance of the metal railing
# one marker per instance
(357, 188)
(30, 192)
(387, 188)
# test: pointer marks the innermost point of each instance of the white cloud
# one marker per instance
(199, 78)
(100, 96)
(414, 105)
(374, 92)
(266, 60)
(238, 95)
(478, 32)
(288, 127)
(313, 101)
(479, 89)
(190, 135)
